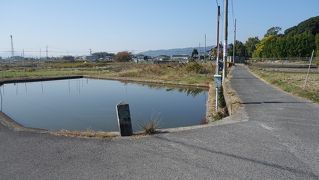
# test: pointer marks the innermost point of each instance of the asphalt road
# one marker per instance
(280, 140)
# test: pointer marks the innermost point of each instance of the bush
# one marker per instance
(150, 127)
(194, 67)
(123, 57)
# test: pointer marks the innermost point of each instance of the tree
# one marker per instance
(240, 49)
(194, 54)
(261, 46)
(317, 44)
(68, 58)
(123, 57)
(102, 55)
(310, 25)
(251, 45)
(273, 31)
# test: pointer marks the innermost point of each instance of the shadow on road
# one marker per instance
(272, 165)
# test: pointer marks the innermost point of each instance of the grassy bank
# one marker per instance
(193, 73)
(292, 82)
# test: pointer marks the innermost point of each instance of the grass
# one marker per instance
(292, 82)
(150, 127)
(85, 134)
(193, 73)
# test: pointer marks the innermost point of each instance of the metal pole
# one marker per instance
(226, 38)
(306, 80)
(217, 60)
(234, 45)
(218, 47)
(199, 52)
(205, 48)
(47, 52)
(12, 50)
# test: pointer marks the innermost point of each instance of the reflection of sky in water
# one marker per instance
(81, 104)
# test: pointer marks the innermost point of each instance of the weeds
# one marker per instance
(150, 127)
(292, 82)
(85, 134)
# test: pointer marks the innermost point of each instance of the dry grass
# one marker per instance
(292, 82)
(86, 134)
(193, 73)
(150, 127)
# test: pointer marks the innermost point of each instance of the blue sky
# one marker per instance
(74, 26)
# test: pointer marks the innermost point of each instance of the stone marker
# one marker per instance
(124, 119)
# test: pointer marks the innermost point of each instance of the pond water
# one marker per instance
(89, 104)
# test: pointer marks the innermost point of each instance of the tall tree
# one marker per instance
(123, 56)
(317, 44)
(251, 45)
(240, 49)
(273, 31)
(194, 54)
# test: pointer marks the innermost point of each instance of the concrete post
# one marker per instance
(124, 119)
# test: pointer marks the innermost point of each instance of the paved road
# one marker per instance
(280, 140)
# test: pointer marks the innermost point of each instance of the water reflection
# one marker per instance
(190, 91)
(81, 104)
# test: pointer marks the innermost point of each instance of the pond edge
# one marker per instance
(237, 116)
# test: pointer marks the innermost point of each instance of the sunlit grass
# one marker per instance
(292, 82)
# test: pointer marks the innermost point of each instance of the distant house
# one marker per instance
(180, 58)
(90, 58)
(108, 58)
(162, 58)
(139, 58)
(68, 58)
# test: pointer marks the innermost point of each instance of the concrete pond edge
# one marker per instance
(237, 115)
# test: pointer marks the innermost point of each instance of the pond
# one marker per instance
(89, 104)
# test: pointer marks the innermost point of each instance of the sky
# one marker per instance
(72, 27)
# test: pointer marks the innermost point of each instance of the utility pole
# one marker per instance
(40, 54)
(205, 48)
(217, 77)
(199, 51)
(47, 52)
(234, 45)
(218, 46)
(90, 52)
(23, 57)
(226, 39)
(12, 50)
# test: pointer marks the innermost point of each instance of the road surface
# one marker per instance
(280, 140)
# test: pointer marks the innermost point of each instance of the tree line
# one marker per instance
(298, 41)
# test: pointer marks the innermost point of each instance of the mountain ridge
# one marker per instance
(175, 51)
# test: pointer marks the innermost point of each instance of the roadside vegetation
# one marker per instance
(189, 74)
(292, 82)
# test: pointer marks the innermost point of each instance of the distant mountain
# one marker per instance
(178, 51)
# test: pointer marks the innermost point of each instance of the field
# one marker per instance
(188, 74)
(292, 81)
